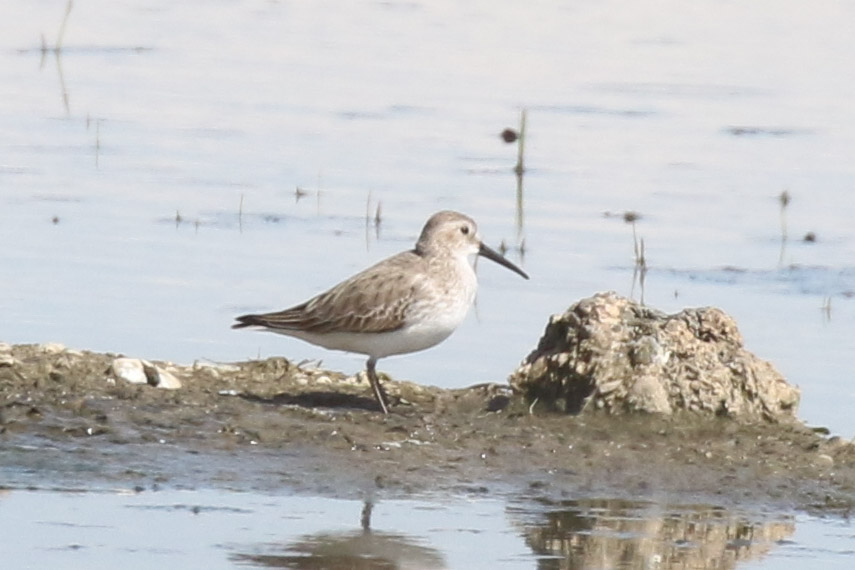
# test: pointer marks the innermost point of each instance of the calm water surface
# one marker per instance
(215, 530)
(148, 176)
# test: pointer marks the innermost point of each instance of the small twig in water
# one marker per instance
(240, 215)
(826, 308)
(61, 34)
(44, 51)
(368, 209)
(318, 196)
(378, 218)
(97, 142)
(639, 272)
(520, 167)
(784, 199)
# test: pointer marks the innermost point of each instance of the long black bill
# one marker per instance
(501, 260)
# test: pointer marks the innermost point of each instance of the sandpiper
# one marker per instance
(405, 303)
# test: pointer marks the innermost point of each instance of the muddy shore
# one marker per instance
(271, 425)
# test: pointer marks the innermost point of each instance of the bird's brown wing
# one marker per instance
(374, 300)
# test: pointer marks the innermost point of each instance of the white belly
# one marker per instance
(378, 345)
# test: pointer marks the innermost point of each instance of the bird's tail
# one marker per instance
(244, 321)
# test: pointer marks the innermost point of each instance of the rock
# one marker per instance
(610, 353)
(52, 347)
(824, 461)
(138, 371)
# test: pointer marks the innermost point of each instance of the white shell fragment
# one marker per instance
(137, 371)
(130, 370)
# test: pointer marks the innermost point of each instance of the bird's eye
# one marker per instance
(464, 230)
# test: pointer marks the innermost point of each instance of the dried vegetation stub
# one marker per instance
(609, 353)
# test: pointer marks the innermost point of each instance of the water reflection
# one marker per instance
(356, 549)
(631, 534)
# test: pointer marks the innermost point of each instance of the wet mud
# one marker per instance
(269, 425)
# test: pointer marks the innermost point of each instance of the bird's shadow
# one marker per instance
(315, 399)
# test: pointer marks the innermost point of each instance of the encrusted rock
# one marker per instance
(610, 353)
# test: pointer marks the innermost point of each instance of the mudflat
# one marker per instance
(66, 419)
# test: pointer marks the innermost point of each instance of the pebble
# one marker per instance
(137, 371)
(166, 379)
(8, 360)
(824, 461)
(52, 347)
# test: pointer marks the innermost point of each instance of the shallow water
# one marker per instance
(212, 529)
(148, 172)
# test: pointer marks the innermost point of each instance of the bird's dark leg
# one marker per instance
(375, 384)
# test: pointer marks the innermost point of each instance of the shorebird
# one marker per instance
(405, 303)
